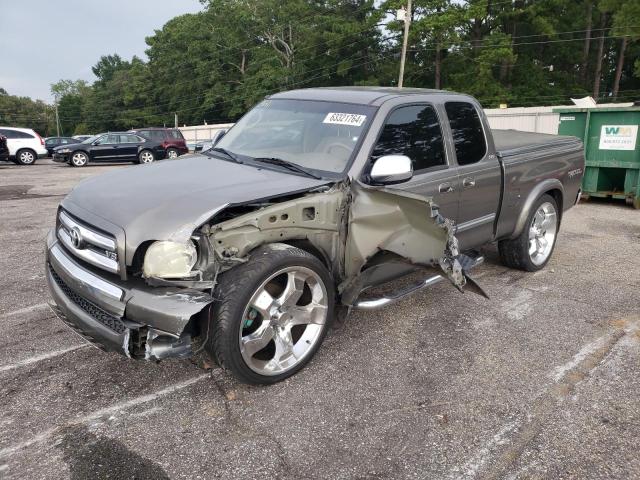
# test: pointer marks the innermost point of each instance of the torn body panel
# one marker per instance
(349, 224)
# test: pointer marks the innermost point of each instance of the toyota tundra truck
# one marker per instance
(251, 249)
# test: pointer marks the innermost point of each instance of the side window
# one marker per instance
(102, 140)
(466, 128)
(413, 131)
(113, 138)
(176, 134)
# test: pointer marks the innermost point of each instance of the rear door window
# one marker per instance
(467, 132)
(413, 131)
(176, 134)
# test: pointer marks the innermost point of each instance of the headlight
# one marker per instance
(63, 150)
(169, 260)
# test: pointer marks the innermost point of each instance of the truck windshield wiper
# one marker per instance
(225, 152)
(294, 167)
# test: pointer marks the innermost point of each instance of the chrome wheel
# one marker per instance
(283, 321)
(172, 153)
(79, 159)
(542, 233)
(146, 157)
(26, 157)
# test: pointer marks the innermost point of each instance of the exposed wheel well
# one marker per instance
(308, 247)
(557, 196)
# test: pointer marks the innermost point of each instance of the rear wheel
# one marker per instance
(146, 156)
(172, 153)
(273, 314)
(26, 157)
(532, 249)
(79, 159)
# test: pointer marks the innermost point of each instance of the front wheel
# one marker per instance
(274, 312)
(79, 159)
(25, 157)
(146, 156)
(532, 249)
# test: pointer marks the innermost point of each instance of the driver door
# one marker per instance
(415, 131)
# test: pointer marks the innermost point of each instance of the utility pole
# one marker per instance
(57, 118)
(175, 119)
(407, 22)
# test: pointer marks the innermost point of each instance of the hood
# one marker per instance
(68, 145)
(170, 199)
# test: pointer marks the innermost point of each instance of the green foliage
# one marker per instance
(214, 65)
(24, 112)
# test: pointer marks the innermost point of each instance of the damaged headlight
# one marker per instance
(169, 260)
(63, 150)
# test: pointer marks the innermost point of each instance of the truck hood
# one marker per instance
(170, 199)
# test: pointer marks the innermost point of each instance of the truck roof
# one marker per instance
(357, 95)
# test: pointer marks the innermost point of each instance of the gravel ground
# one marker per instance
(541, 381)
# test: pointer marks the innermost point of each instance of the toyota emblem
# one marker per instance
(76, 237)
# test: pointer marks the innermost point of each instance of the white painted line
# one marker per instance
(39, 358)
(482, 456)
(560, 371)
(25, 310)
(104, 412)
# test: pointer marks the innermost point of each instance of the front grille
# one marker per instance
(87, 243)
(108, 320)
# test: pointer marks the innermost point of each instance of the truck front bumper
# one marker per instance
(129, 317)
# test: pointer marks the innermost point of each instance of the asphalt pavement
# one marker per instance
(540, 381)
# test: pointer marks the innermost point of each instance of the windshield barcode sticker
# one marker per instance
(351, 119)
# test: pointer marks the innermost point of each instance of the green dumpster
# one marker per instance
(612, 151)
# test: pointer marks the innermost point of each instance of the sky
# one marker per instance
(43, 41)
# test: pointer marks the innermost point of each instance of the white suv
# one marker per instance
(25, 145)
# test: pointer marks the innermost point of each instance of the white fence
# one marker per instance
(199, 133)
(531, 119)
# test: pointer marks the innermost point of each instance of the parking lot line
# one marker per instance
(25, 310)
(39, 358)
(41, 437)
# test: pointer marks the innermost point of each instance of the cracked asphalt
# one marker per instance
(540, 381)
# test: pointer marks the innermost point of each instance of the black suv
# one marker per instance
(4, 149)
(110, 147)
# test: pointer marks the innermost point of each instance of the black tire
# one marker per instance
(514, 253)
(78, 159)
(26, 156)
(235, 289)
(146, 156)
(172, 153)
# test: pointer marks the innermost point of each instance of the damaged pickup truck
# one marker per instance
(315, 196)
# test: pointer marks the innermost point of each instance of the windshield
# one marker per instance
(315, 135)
(91, 139)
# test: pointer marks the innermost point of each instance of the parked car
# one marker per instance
(110, 147)
(250, 249)
(25, 145)
(51, 142)
(4, 150)
(171, 138)
(82, 138)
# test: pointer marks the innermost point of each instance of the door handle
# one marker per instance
(445, 188)
(469, 182)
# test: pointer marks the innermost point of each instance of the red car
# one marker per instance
(171, 138)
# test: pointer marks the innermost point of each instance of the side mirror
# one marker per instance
(391, 169)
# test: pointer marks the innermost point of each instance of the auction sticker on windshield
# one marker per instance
(351, 119)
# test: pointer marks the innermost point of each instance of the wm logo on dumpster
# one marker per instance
(618, 137)
(622, 131)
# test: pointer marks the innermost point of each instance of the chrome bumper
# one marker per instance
(107, 312)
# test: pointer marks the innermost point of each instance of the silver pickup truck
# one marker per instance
(251, 249)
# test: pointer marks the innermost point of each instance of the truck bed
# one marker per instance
(509, 143)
